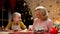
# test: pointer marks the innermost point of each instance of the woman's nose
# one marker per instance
(20, 19)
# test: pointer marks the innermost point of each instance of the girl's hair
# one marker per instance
(41, 8)
(14, 14)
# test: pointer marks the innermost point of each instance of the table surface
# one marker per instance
(21, 32)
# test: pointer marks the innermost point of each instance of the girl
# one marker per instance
(16, 22)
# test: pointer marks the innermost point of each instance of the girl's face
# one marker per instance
(17, 18)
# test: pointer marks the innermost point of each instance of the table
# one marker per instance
(30, 32)
(22, 32)
(4, 32)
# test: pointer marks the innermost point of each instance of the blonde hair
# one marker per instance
(14, 14)
(41, 8)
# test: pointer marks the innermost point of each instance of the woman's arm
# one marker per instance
(50, 25)
(34, 23)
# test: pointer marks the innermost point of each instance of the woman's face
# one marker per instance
(37, 14)
(17, 18)
(40, 14)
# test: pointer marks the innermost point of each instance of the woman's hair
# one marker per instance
(42, 9)
(14, 15)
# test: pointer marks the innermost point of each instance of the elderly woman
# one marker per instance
(41, 22)
(15, 23)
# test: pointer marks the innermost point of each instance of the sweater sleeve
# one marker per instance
(9, 25)
(22, 25)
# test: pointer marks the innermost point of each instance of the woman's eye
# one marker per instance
(19, 17)
(44, 15)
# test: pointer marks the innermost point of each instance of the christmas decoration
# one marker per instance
(56, 24)
(54, 30)
(25, 11)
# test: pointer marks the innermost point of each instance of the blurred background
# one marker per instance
(26, 8)
(7, 7)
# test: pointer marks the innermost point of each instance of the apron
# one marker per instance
(42, 26)
(14, 27)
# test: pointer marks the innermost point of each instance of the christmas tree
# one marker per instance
(25, 11)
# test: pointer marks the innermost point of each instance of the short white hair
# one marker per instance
(43, 8)
(16, 13)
